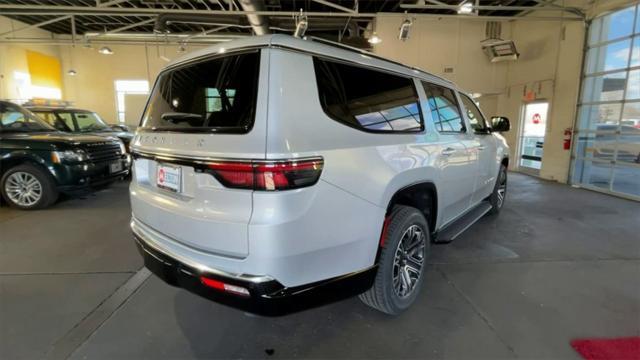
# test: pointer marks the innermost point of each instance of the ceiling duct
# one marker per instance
(259, 23)
(495, 47)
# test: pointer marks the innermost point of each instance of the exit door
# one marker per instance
(532, 136)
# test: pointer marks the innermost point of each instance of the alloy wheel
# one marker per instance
(23, 188)
(408, 261)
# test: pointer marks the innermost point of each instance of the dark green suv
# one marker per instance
(37, 162)
(78, 121)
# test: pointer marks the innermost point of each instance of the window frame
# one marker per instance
(455, 95)
(412, 79)
(486, 130)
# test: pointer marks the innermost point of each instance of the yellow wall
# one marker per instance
(44, 70)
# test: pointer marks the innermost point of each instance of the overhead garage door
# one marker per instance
(607, 140)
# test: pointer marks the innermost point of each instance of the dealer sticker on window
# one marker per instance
(168, 177)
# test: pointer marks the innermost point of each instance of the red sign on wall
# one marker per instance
(537, 119)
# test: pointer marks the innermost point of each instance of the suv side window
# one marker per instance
(478, 122)
(367, 99)
(444, 108)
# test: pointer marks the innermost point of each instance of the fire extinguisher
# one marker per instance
(566, 144)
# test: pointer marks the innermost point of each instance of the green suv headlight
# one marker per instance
(69, 156)
(123, 147)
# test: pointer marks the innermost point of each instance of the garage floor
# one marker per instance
(558, 263)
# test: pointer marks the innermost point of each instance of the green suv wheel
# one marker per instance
(28, 187)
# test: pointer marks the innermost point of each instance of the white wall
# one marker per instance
(550, 66)
(94, 85)
(446, 42)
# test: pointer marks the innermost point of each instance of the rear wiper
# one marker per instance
(176, 117)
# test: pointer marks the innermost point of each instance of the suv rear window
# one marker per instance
(217, 94)
(367, 99)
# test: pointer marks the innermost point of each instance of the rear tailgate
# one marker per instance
(171, 191)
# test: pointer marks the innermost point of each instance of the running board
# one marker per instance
(453, 230)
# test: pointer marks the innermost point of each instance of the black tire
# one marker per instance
(501, 184)
(49, 193)
(383, 295)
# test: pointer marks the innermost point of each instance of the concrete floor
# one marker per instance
(558, 263)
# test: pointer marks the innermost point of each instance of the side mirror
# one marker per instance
(500, 124)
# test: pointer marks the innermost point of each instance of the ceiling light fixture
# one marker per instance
(404, 29)
(302, 24)
(72, 72)
(465, 8)
(374, 39)
(105, 51)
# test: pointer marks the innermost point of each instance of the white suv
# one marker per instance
(275, 173)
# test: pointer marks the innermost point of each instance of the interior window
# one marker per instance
(216, 101)
(444, 108)
(478, 122)
(367, 99)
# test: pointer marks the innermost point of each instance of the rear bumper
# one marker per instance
(266, 296)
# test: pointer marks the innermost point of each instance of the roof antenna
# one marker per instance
(301, 24)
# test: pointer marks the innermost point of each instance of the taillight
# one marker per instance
(267, 175)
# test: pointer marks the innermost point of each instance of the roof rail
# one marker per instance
(370, 54)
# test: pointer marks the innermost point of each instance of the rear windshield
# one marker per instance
(217, 95)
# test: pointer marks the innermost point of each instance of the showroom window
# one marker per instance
(607, 139)
(368, 99)
(128, 87)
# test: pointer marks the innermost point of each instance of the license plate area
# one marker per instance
(169, 177)
(115, 167)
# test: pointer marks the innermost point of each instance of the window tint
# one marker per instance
(477, 121)
(217, 94)
(367, 99)
(444, 108)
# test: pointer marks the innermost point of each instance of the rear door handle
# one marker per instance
(448, 151)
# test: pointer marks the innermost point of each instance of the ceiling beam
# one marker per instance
(37, 25)
(489, 7)
(126, 27)
(335, 6)
(115, 11)
(109, 3)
